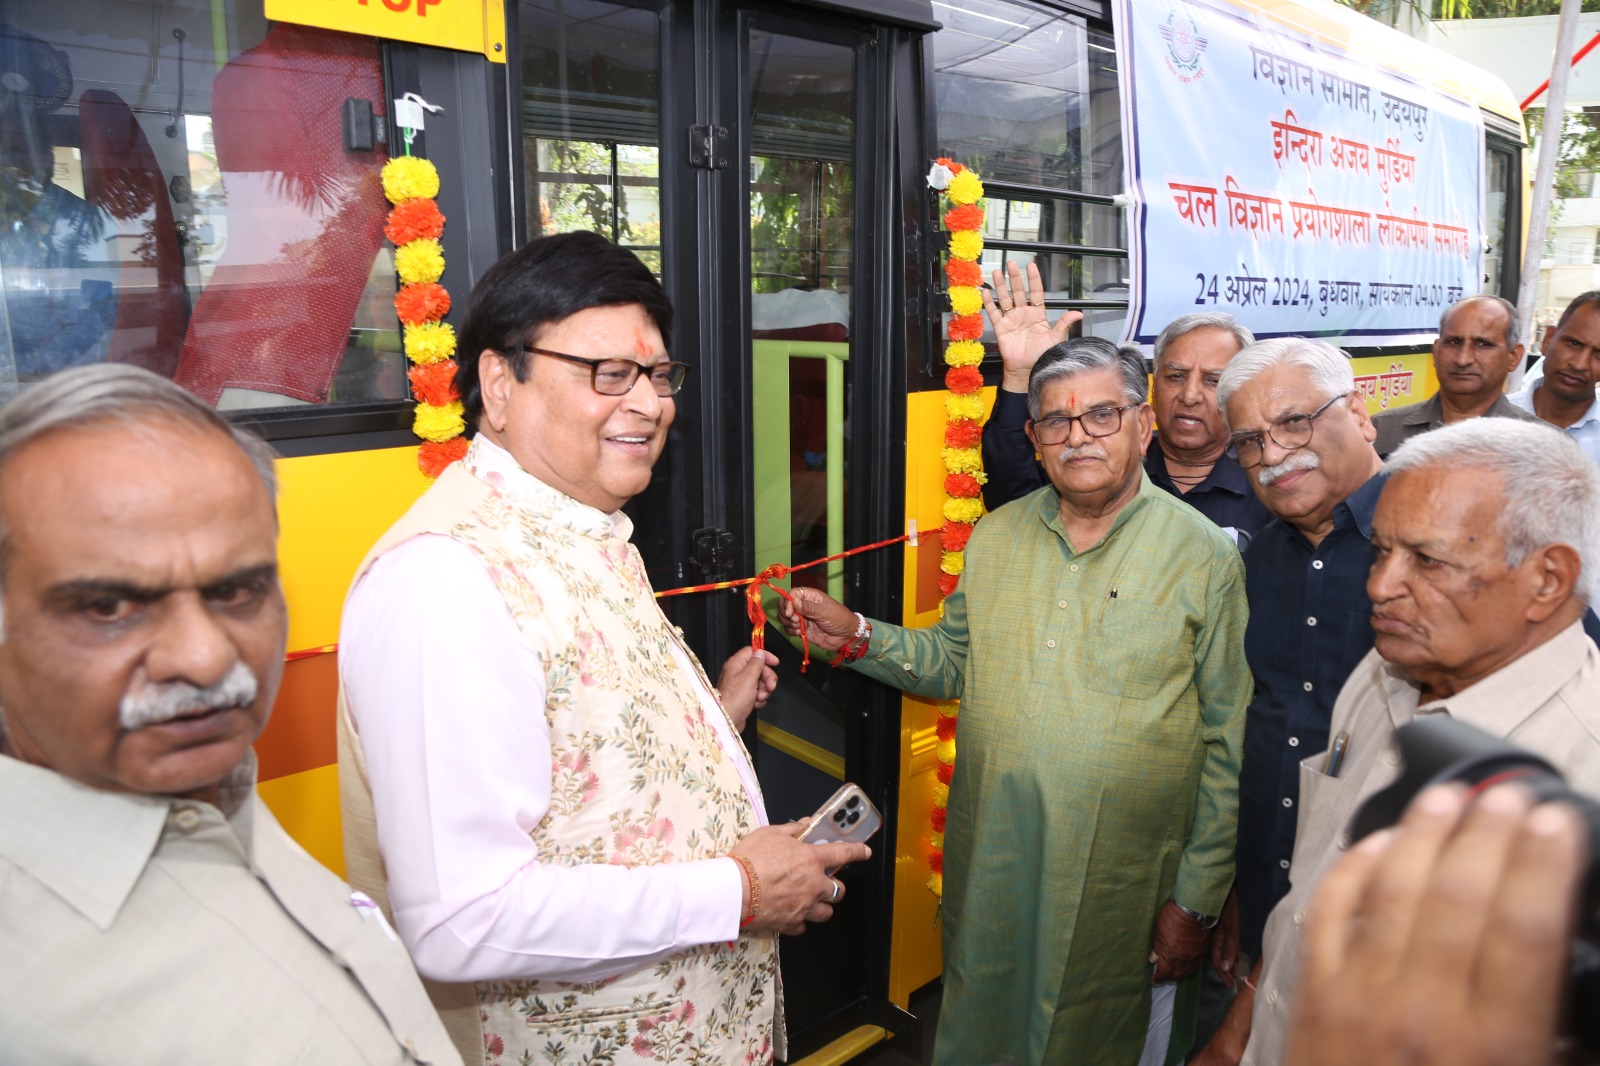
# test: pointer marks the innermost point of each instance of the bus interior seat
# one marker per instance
(305, 217)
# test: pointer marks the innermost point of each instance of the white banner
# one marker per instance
(1282, 179)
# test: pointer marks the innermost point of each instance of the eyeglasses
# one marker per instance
(614, 377)
(1097, 422)
(1290, 434)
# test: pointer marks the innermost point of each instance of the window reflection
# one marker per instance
(190, 210)
(591, 116)
(1028, 96)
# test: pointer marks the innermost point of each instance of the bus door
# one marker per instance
(747, 152)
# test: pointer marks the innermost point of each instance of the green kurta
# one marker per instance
(1097, 768)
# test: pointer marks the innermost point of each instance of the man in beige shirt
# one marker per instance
(1486, 538)
(151, 909)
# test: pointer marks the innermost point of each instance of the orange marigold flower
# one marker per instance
(937, 819)
(416, 304)
(434, 383)
(946, 161)
(966, 216)
(955, 536)
(965, 327)
(414, 220)
(936, 861)
(963, 380)
(960, 485)
(434, 456)
(944, 727)
(963, 433)
(963, 272)
(948, 583)
(944, 770)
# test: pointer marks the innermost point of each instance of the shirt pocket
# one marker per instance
(1137, 647)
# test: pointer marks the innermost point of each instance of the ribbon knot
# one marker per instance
(758, 616)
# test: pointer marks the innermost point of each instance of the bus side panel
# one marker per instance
(915, 957)
(331, 510)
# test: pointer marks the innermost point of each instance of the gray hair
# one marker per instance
(1183, 325)
(115, 392)
(1551, 488)
(1081, 355)
(1328, 366)
(1504, 304)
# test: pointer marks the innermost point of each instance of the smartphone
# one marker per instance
(848, 816)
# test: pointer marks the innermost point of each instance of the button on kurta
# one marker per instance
(1316, 564)
(186, 819)
(1294, 742)
(1288, 801)
(1306, 686)
(1049, 643)
(1311, 621)
(1284, 863)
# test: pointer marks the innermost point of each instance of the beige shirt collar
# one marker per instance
(499, 469)
(88, 845)
(1503, 700)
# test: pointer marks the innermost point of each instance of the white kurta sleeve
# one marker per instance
(449, 703)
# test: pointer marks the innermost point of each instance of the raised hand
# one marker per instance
(1022, 328)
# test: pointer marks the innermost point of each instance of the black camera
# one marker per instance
(1437, 750)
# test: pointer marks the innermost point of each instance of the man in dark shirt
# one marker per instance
(1188, 456)
(1302, 433)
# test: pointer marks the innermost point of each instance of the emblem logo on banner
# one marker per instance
(1184, 45)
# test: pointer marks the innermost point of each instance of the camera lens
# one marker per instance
(855, 816)
(838, 816)
(853, 802)
(1437, 750)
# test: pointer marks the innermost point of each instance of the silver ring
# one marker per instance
(833, 898)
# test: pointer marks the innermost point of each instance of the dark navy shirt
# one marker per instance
(1310, 623)
(1224, 496)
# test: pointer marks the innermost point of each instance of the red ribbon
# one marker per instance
(752, 598)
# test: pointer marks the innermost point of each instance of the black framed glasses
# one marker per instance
(614, 377)
(1097, 422)
(1289, 433)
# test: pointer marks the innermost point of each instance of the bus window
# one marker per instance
(591, 116)
(177, 195)
(1497, 187)
(1027, 96)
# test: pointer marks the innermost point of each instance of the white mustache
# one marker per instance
(154, 704)
(1301, 460)
(1088, 450)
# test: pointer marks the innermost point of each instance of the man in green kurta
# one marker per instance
(1096, 642)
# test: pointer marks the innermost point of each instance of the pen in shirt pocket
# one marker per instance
(1107, 602)
(1335, 759)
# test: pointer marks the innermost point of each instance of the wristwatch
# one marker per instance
(1206, 921)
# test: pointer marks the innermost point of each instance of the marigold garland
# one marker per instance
(434, 383)
(962, 454)
(414, 220)
(420, 261)
(430, 342)
(417, 305)
(414, 225)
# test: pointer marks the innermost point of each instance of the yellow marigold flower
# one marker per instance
(406, 177)
(936, 884)
(966, 244)
(963, 509)
(959, 407)
(964, 353)
(439, 423)
(419, 262)
(952, 563)
(965, 188)
(945, 751)
(950, 710)
(431, 342)
(937, 840)
(965, 300)
(941, 794)
(963, 460)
